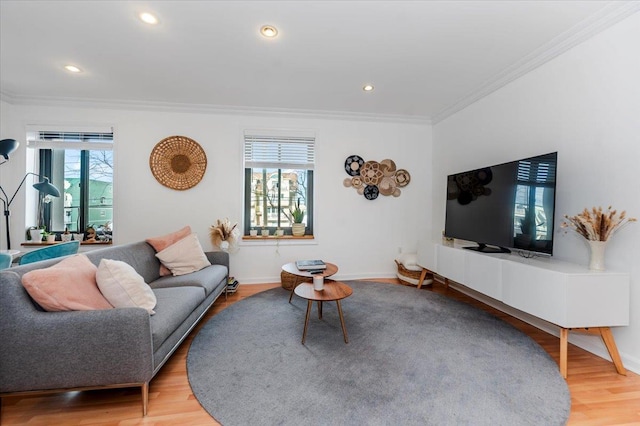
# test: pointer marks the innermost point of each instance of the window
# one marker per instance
(80, 165)
(278, 177)
(535, 193)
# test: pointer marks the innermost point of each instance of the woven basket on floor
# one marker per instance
(288, 280)
(178, 162)
(408, 277)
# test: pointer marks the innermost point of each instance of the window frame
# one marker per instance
(277, 152)
(287, 229)
(44, 143)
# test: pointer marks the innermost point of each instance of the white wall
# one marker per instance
(585, 104)
(10, 176)
(362, 237)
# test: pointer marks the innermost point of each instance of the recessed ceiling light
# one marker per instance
(368, 88)
(269, 31)
(72, 68)
(148, 18)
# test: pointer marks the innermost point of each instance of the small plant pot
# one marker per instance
(51, 238)
(298, 229)
(265, 232)
(279, 232)
(36, 235)
(253, 232)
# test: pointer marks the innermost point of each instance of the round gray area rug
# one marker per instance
(413, 358)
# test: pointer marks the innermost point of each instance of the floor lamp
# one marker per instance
(7, 146)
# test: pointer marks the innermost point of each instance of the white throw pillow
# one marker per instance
(123, 287)
(184, 257)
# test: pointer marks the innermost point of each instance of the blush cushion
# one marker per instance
(184, 257)
(123, 287)
(162, 242)
(69, 285)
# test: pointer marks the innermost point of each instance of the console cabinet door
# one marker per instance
(597, 299)
(539, 292)
(451, 263)
(567, 296)
(483, 273)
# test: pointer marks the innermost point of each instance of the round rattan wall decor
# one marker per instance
(178, 162)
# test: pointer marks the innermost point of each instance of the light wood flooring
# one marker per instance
(599, 396)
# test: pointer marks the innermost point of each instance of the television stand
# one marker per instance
(485, 248)
(548, 291)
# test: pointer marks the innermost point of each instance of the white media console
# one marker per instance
(561, 293)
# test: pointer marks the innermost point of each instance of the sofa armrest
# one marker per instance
(56, 350)
(218, 258)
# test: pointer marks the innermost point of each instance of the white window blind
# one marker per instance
(540, 171)
(52, 139)
(279, 152)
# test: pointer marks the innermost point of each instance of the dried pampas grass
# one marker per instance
(223, 231)
(597, 225)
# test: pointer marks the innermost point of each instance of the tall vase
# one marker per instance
(596, 259)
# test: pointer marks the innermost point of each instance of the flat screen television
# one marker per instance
(506, 206)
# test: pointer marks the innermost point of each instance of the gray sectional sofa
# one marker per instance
(122, 347)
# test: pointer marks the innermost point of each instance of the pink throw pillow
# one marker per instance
(69, 285)
(161, 243)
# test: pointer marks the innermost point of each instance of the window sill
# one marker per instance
(274, 238)
(82, 243)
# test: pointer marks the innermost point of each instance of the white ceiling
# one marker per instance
(426, 59)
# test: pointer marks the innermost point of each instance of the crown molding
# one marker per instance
(206, 109)
(596, 23)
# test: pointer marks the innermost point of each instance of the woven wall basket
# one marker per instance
(178, 162)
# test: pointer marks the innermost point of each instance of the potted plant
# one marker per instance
(49, 236)
(297, 228)
(35, 234)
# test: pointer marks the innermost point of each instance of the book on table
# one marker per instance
(310, 265)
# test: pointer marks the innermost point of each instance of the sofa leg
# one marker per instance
(145, 398)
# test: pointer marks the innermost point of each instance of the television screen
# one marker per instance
(505, 206)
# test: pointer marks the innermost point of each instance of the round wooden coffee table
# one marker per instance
(333, 291)
(291, 274)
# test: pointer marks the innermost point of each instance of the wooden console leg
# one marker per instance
(610, 343)
(564, 338)
(422, 275)
(607, 338)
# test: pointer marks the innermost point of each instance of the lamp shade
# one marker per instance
(45, 187)
(7, 146)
